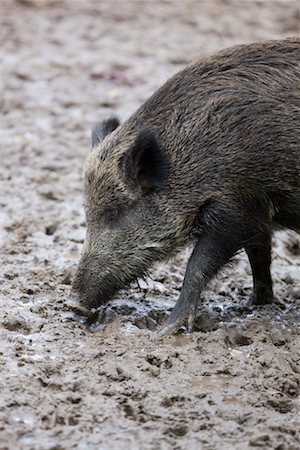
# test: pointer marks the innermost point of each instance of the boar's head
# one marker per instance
(129, 224)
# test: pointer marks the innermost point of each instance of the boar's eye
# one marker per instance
(111, 216)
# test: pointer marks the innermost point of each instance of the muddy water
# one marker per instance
(234, 382)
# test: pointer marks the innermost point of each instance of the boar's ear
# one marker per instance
(102, 129)
(145, 162)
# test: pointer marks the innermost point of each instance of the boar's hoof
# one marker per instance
(176, 326)
(262, 296)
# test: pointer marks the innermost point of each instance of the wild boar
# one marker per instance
(212, 159)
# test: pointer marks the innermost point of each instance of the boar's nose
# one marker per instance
(73, 304)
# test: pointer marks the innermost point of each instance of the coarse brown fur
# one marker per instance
(213, 158)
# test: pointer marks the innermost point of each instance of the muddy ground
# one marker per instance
(234, 383)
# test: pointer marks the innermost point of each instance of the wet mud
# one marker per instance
(234, 382)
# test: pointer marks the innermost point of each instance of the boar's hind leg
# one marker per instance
(214, 248)
(259, 254)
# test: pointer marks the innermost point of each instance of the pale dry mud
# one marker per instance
(233, 383)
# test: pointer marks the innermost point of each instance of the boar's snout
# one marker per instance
(73, 303)
(89, 292)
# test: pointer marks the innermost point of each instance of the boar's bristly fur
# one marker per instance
(211, 159)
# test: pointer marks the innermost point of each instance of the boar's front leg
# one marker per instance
(213, 250)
